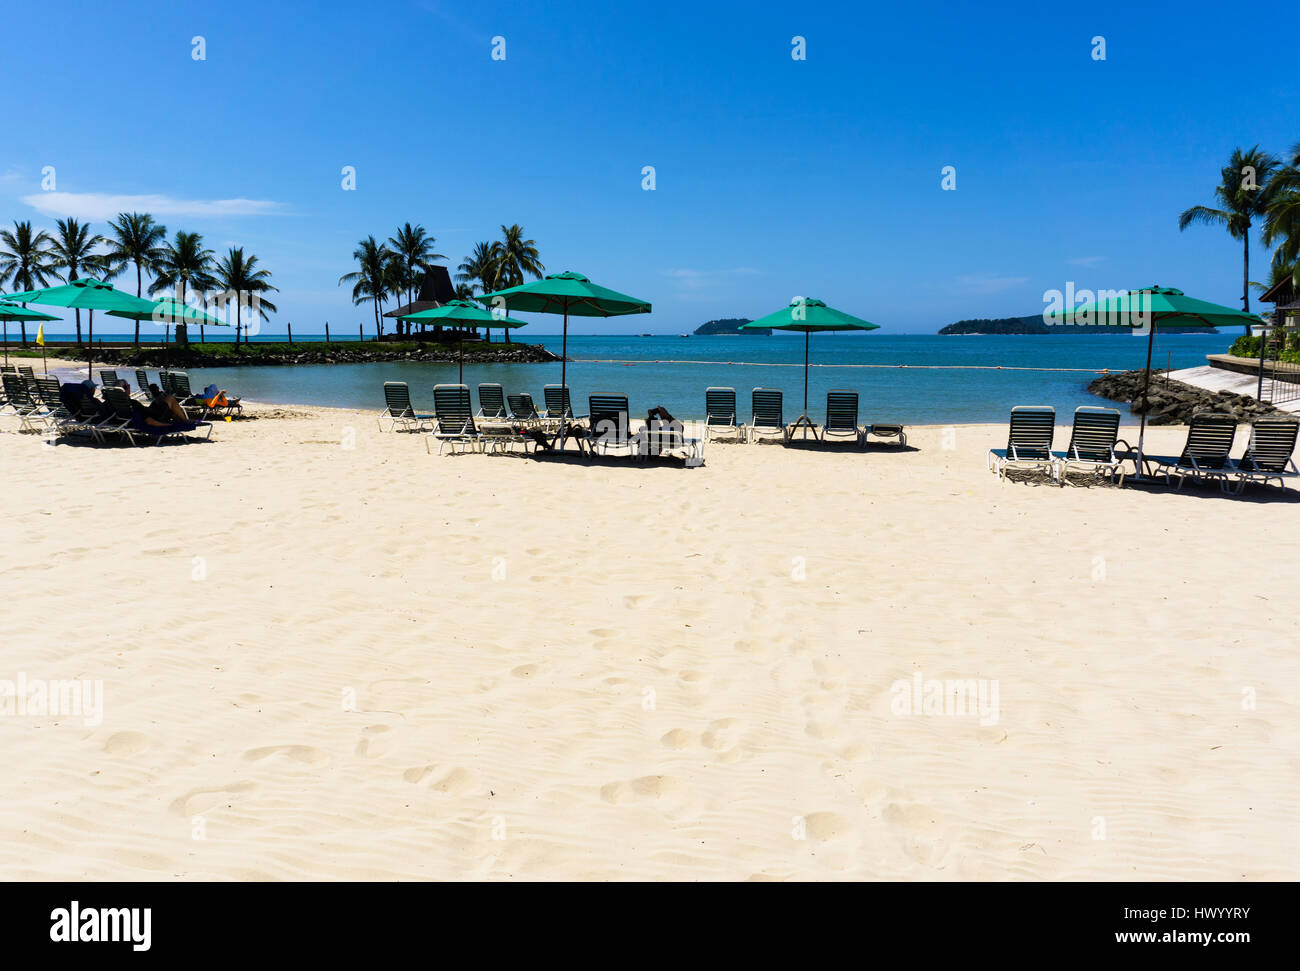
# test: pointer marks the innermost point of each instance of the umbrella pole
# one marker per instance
(564, 379)
(6, 341)
(45, 367)
(806, 335)
(1146, 386)
(461, 345)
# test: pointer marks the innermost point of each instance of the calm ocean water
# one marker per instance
(913, 395)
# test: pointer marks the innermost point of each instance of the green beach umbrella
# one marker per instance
(808, 314)
(168, 311)
(1153, 307)
(85, 294)
(565, 293)
(11, 311)
(462, 313)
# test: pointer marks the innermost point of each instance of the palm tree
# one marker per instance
(73, 251)
(238, 274)
(371, 279)
(25, 259)
(1282, 223)
(482, 269)
(185, 265)
(518, 256)
(137, 239)
(414, 248)
(1243, 194)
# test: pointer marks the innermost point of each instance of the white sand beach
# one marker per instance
(326, 654)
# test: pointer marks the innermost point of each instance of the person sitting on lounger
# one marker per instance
(80, 399)
(215, 397)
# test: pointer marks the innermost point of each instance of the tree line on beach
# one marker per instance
(394, 269)
(32, 258)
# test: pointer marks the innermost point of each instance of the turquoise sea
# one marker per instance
(944, 379)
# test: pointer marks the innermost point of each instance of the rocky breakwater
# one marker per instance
(1173, 402)
(195, 355)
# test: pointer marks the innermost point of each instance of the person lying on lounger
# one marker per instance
(164, 409)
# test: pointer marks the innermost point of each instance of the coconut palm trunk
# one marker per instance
(139, 286)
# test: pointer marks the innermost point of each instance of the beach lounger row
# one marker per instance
(768, 418)
(39, 408)
(504, 423)
(721, 414)
(1095, 447)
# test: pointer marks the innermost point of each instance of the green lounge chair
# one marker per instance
(1092, 444)
(1270, 454)
(20, 400)
(720, 417)
(1029, 441)
(609, 424)
(118, 417)
(842, 416)
(142, 379)
(768, 417)
(558, 404)
(522, 408)
(453, 419)
(885, 430)
(398, 410)
(108, 378)
(491, 401)
(1206, 453)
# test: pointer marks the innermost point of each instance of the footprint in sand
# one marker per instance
(647, 788)
(375, 743)
(415, 775)
(126, 743)
(199, 801)
(919, 830)
(825, 826)
(453, 783)
(678, 738)
(720, 734)
(299, 753)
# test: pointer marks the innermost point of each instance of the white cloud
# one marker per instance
(103, 205)
(979, 283)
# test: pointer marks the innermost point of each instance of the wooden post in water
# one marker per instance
(290, 332)
(327, 332)
(361, 336)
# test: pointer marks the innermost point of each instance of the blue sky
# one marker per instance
(774, 177)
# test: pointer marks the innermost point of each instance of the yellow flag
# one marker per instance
(40, 334)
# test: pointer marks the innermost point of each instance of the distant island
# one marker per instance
(730, 325)
(1034, 325)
